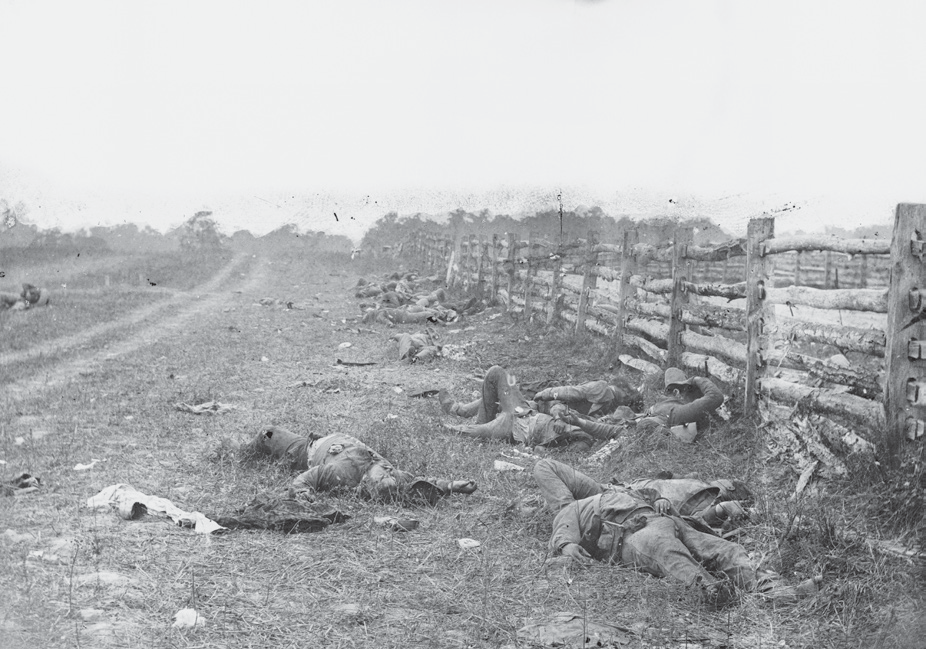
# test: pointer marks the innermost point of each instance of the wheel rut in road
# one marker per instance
(189, 308)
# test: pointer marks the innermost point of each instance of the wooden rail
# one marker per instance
(716, 310)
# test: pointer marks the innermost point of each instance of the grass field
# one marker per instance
(75, 578)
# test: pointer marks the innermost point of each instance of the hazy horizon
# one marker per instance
(296, 112)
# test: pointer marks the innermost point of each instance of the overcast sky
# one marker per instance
(276, 112)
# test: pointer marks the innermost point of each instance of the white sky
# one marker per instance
(276, 112)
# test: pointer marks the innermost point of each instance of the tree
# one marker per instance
(200, 232)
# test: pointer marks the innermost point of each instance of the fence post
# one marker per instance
(863, 272)
(512, 256)
(797, 267)
(905, 365)
(555, 303)
(827, 269)
(589, 281)
(494, 259)
(759, 314)
(472, 244)
(683, 236)
(481, 253)
(529, 279)
(628, 266)
(449, 278)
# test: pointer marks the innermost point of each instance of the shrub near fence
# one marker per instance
(716, 311)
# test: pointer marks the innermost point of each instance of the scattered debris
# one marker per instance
(427, 393)
(606, 451)
(207, 408)
(344, 345)
(353, 363)
(187, 618)
(17, 537)
(104, 577)
(804, 479)
(566, 629)
(132, 504)
(20, 485)
(468, 544)
(288, 514)
(85, 467)
(397, 524)
(501, 465)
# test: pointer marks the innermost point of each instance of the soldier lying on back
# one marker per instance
(341, 461)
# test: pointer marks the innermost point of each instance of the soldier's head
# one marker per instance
(627, 394)
(379, 482)
(679, 386)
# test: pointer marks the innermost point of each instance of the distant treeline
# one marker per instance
(199, 233)
(391, 229)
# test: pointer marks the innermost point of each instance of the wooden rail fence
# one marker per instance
(733, 311)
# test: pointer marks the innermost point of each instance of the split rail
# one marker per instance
(735, 312)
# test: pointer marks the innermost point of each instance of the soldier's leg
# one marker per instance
(499, 428)
(561, 484)
(719, 554)
(657, 550)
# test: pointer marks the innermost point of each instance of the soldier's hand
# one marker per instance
(662, 506)
(544, 395)
(577, 553)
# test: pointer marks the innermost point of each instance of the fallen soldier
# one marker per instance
(411, 314)
(714, 503)
(684, 411)
(418, 346)
(642, 529)
(341, 461)
(593, 398)
(29, 297)
(503, 414)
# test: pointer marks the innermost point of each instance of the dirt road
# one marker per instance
(159, 321)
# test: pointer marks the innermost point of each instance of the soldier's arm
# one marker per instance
(711, 398)
(560, 393)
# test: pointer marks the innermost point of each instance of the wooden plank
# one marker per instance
(758, 312)
(719, 346)
(653, 351)
(607, 273)
(828, 242)
(853, 339)
(710, 366)
(652, 328)
(908, 274)
(842, 406)
(873, 299)
(729, 291)
(659, 286)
